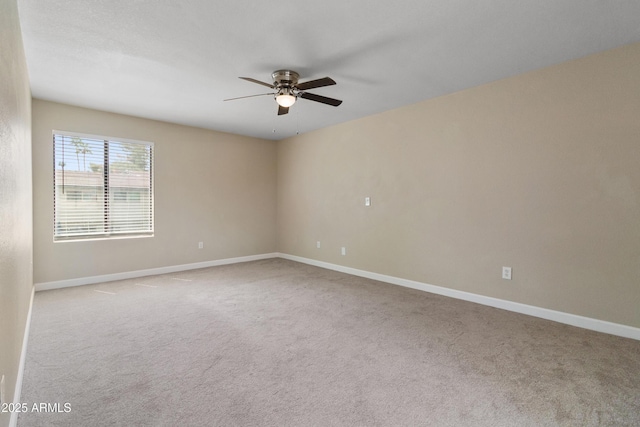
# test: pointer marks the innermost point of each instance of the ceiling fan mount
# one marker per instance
(287, 90)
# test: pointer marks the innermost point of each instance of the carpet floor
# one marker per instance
(278, 343)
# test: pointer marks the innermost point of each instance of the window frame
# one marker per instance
(106, 202)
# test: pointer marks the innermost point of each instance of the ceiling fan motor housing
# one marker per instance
(285, 78)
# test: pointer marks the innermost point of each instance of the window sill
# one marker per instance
(96, 238)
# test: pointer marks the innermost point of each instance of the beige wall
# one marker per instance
(15, 197)
(209, 186)
(540, 172)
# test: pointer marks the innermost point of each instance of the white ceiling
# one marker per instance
(177, 60)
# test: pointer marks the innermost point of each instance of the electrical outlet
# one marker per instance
(318, 244)
(200, 245)
(506, 273)
(344, 250)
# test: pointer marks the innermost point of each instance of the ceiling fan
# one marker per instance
(287, 90)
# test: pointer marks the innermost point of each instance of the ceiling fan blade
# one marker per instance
(250, 96)
(282, 110)
(312, 84)
(319, 98)
(249, 79)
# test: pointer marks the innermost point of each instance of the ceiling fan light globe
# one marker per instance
(285, 100)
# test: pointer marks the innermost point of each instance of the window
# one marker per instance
(119, 196)
(103, 187)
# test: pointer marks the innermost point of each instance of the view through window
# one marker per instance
(103, 187)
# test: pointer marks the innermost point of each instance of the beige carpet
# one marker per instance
(277, 343)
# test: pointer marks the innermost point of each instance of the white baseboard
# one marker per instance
(544, 313)
(148, 272)
(13, 420)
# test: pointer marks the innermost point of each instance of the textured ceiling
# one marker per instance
(177, 60)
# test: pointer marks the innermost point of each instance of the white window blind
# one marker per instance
(103, 187)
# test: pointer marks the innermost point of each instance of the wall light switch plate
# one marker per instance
(367, 201)
(344, 250)
(506, 273)
(318, 244)
(200, 245)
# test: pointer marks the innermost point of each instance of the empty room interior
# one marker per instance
(335, 213)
